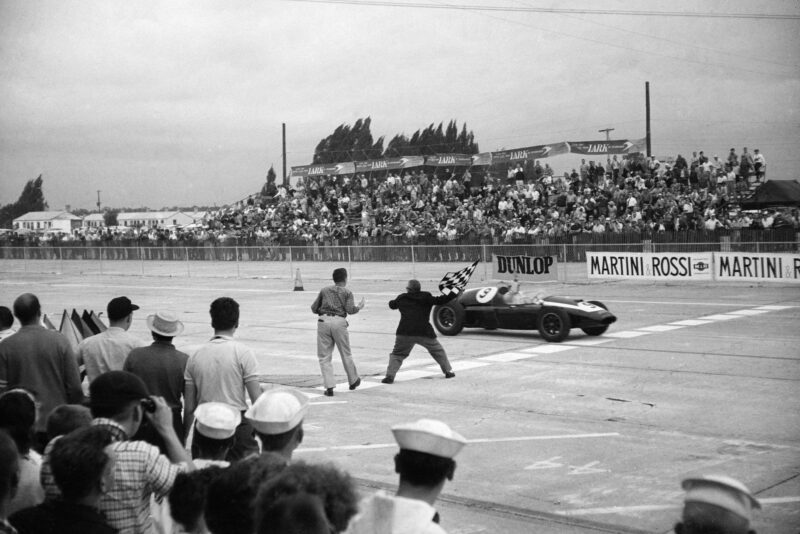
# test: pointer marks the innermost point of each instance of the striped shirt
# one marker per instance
(140, 471)
(335, 300)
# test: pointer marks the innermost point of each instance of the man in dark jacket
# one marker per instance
(415, 328)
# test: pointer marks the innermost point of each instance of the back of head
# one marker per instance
(6, 318)
(333, 487)
(27, 308)
(423, 469)
(224, 313)
(79, 460)
(114, 393)
(17, 417)
(414, 286)
(187, 499)
(702, 518)
(339, 275)
(716, 504)
(300, 513)
(230, 496)
(66, 418)
(9, 466)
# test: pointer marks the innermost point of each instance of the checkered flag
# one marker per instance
(456, 282)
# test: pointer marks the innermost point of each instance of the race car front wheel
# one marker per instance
(449, 318)
(554, 324)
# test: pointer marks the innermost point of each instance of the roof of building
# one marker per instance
(46, 216)
(147, 215)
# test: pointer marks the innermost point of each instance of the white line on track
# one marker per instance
(479, 440)
(622, 510)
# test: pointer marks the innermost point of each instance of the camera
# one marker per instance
(149, 405)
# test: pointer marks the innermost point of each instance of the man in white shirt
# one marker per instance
(424, 463)
(221, 371)
(108, 350)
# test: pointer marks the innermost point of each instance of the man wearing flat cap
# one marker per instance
(424, 463)
(161, 367)
(277, 417)
(716, 504)
(415, 329)
(107, 350)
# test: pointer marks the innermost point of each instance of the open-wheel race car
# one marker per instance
(498, 307)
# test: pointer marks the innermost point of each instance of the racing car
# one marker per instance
(492, 308)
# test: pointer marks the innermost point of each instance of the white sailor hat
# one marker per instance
(217, 420)
(430, 436)
(722, 491)
(277, 411)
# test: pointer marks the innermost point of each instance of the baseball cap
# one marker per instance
(120, 307)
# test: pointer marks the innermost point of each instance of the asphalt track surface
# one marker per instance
(588, 435)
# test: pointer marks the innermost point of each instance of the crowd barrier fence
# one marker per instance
(282, 261)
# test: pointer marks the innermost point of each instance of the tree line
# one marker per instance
(355, 143)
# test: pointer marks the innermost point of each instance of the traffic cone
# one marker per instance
(298, 282)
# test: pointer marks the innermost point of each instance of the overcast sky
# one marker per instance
(181, 102)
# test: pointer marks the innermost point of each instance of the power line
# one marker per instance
(527, 9)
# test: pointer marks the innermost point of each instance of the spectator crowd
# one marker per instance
(528, 203)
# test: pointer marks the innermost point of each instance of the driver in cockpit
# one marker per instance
(512, 294)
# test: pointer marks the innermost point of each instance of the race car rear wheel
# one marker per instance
(449, 318)
(596, 330)
(554, 324)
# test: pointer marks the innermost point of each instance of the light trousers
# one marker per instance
(332, 331)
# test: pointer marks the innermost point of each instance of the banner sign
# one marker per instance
(601, 148)
(530, 153)
(323, 169)
(658, 266)
(757, 267)
(389, 164)
(533, 268)
(449, 160)
(484, 158)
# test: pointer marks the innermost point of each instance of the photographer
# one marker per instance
(119, 402)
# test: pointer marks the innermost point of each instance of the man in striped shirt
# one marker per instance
(332, 306)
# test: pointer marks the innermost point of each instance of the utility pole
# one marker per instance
(284, 152)
(608, 142)
(647, 113)
(98, 198)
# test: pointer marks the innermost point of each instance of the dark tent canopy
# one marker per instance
(774, 193)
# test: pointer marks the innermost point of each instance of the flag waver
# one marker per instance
(457, 281)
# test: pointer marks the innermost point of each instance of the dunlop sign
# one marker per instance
(532, 268)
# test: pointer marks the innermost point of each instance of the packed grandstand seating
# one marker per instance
(524, 204)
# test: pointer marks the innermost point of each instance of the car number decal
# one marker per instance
(589, 307)
(486, 294)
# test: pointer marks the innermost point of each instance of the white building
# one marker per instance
(153, 219)
(48, 221)
(94, 220)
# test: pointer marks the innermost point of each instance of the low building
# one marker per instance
(153, 219)
(94, 220)
(48, 221)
